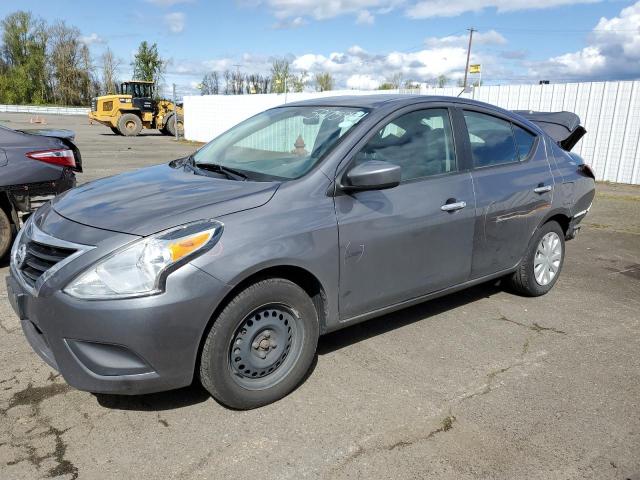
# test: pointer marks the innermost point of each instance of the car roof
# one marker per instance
(381, 100)
(391, 101)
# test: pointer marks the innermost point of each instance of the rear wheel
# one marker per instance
(129, 125)
(261, 345)
(6, 233)
(540, 268)
(170, 126)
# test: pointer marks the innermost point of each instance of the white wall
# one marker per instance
(610, 111)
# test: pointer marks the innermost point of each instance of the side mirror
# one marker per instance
(372, 175)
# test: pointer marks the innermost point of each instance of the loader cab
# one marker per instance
(137, 89)
(142, 94)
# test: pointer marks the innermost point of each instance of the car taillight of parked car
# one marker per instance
(62, 157)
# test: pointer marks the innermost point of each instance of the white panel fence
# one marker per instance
(44, 110)
(610, 111)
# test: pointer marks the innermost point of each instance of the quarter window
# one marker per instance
(420, 142)
(491, 139)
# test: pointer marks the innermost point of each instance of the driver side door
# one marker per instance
(401, 243)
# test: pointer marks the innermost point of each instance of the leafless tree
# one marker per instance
(110, 67)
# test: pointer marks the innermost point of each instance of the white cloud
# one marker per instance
(365, 18)
(175, 21)
(479, 38)
(290, 23)
(613, 52)
(168, 3)
(322, 10)
(362, 82)
(452, 8)
(93, 39)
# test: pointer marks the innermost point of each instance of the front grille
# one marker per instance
(40, 258)
(94, 104)
(107, 106)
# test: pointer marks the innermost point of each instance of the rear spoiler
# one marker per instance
(563, 127)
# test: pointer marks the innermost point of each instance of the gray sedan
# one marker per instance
(227, 265)
(35, 165)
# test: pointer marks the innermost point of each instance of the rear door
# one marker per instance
(513, 185)
(400, 243)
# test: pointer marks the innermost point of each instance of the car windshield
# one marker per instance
(282, 143)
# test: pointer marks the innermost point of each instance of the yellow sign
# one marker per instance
(475, 68)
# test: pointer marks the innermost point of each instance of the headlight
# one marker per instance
(140, 268)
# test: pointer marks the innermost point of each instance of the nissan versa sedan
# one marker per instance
(227, 265)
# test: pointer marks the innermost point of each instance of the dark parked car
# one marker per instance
(35, 165)
(227, 265)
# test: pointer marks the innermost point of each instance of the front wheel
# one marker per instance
(261, 346)
(540, 268)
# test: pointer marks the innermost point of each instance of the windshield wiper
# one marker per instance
(229, 172)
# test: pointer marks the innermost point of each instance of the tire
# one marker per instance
(115, 130)
(261, 345)
(533, 278)
(170, 127)
(6, 234)
(129, 125)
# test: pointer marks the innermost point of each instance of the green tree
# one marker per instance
(23, 60)
(442, 81)
(147, 64)
(324, 82)
(280, 75)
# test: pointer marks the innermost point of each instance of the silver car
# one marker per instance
(227, 265)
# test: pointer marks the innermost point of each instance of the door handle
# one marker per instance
(452, 207)
(543, 189)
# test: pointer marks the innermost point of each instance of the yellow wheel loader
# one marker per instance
(135, 107)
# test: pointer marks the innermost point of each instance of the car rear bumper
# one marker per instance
(129, 346)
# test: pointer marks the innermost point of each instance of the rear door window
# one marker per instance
(492, 140)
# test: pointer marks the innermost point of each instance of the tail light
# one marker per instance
(62, 157)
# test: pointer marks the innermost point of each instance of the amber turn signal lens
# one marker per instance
(185, 246)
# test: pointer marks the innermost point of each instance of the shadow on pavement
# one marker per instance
(155, 402)
(392, 321)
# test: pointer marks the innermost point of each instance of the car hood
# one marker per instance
(156, 198)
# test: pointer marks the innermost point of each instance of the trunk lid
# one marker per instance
(65, 136)
(563, 127)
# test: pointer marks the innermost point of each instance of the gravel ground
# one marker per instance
(481, 384)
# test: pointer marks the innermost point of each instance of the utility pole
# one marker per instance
(466, 69)
(236, 82)
(175, 113)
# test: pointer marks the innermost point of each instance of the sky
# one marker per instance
(363, 42)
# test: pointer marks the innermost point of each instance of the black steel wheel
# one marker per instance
(265, 346)
(261, 345)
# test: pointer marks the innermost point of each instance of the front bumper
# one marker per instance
(125, 346)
